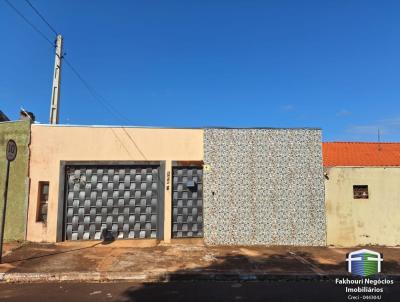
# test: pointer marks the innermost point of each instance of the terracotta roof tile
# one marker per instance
(361, 154)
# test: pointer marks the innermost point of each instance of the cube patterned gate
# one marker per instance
(123, 201)
(187, 202)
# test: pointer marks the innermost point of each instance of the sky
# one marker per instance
(333, 65)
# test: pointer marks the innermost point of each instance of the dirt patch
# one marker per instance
(44, 258)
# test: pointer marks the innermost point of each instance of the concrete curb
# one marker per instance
(73, 276)
(168, 277)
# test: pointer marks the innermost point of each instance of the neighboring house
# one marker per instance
(223, 186)
(18, 186)
(3, 117)
(362, 192)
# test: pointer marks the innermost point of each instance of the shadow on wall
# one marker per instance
(278, 290)
(107, 239)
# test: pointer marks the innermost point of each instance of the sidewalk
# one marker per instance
(93, 261)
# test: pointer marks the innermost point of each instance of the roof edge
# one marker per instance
(392, 166)
(166, 127)
(349, 142)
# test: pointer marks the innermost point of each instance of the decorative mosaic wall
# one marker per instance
(263, 186)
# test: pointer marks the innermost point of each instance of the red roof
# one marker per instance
(361, 154)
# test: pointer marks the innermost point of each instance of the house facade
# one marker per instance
(218, 186)
(362, 193)
(86, 179)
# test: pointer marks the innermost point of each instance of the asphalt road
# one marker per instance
(185, 291)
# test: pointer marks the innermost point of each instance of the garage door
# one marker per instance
(120, 200)
(187, 202)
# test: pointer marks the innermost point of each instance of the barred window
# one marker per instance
(43, 201)
(360, 192)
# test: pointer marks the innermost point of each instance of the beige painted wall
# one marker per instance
(52, 144)
(375, 220)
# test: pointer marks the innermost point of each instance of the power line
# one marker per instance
(121, 142)
(92, 91)
(134, 143)
(41, 17)
(29, 22)
(96, 96)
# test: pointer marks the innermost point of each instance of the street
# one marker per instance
(183, 291)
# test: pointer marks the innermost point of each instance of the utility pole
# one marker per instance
(379, 139)
(55, 92)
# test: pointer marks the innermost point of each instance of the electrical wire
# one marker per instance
(96, 96)
(120, 141)
(92, 91)
(41, 17)
(29, 22)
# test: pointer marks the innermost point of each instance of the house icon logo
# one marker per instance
(364, 262)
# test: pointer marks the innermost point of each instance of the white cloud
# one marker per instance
(343, 112)
(365, 129)
(395, 122)
(386, 127)
(288, 107)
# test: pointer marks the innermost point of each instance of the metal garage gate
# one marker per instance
(123, 201)
(187, 202)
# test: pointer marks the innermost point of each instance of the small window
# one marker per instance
(360, 192)
(43, 201)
